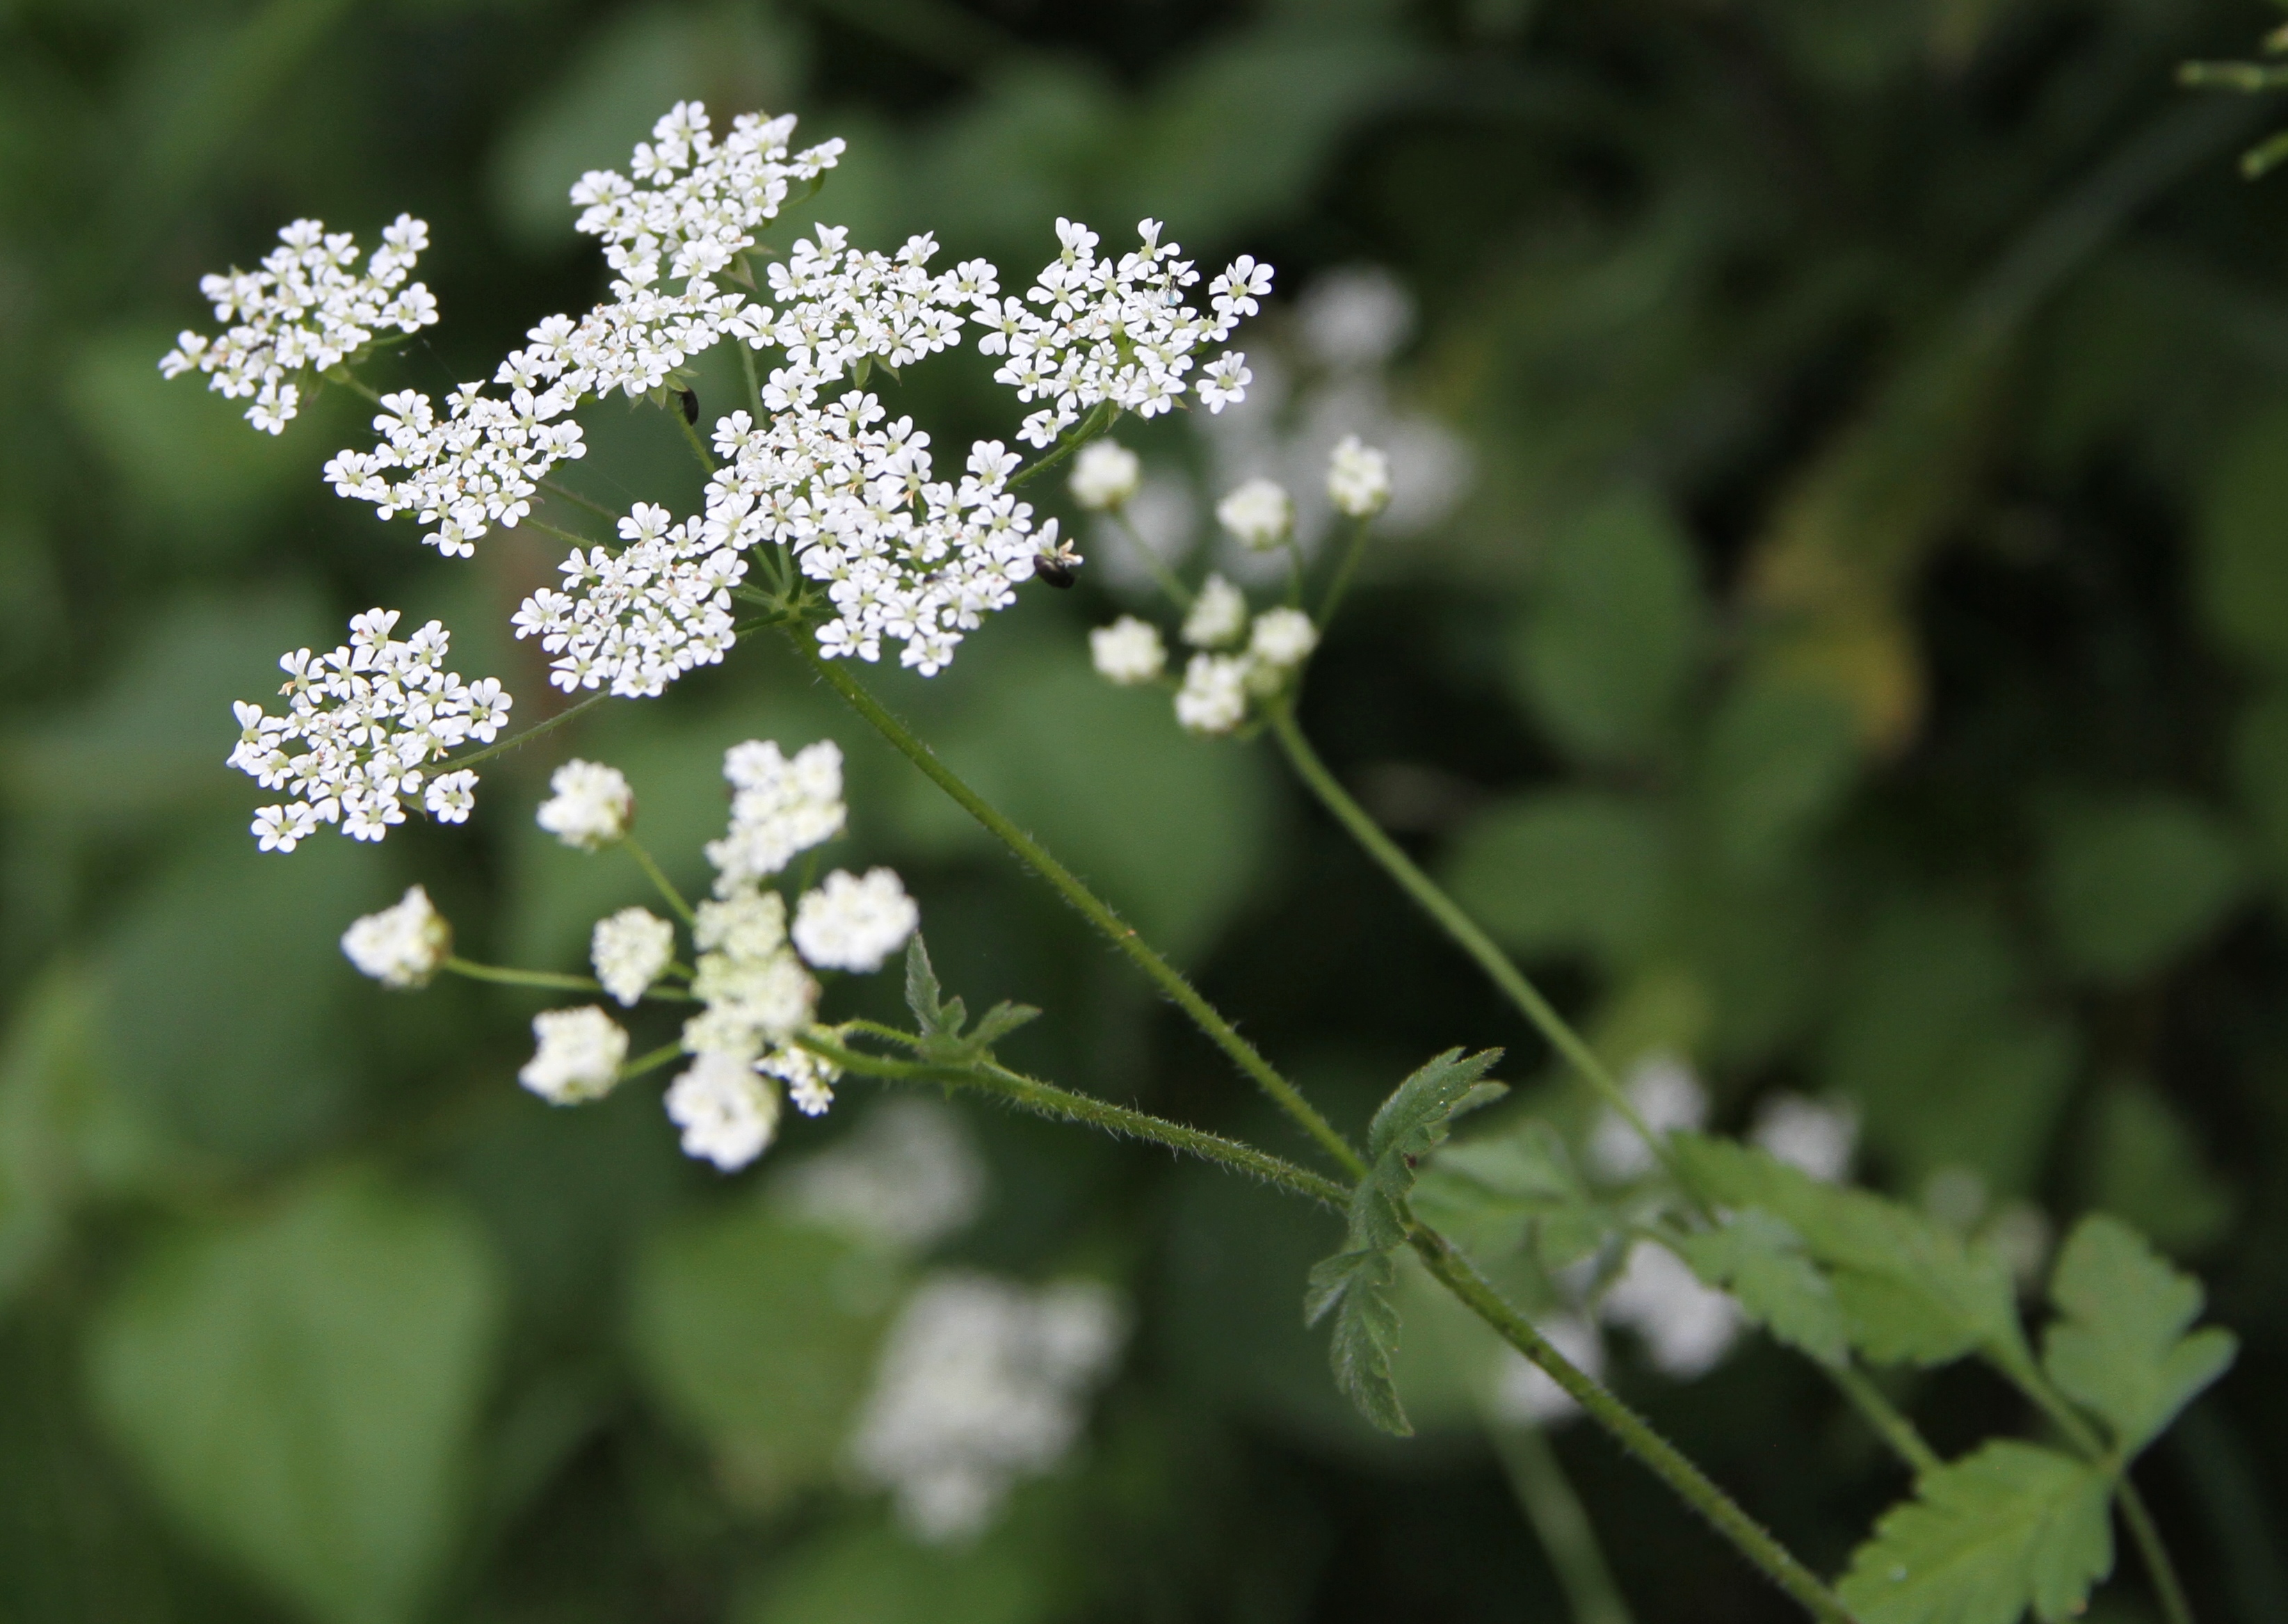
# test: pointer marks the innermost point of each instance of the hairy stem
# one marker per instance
(1099, 419)
(1556, 1512)
(1090, 907)
(578, 500)
(1047, 1100)
(1881, 1414)
(1724, 1514)
(525, 737)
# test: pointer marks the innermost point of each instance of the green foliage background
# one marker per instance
(1862, 665)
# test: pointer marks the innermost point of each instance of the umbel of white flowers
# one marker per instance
(751, 975)
(906, 555)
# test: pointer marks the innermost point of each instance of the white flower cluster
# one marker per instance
(1216, 686)
(779, 808)
(631, 949)
(906, 1180)
(853, 924)
(370, 717)
(589, 807)
(305, 309)
(1118, 330)
(477, 466)
(640, 619)
(403, 946)
(579, 1054)
(1258, 512)
(1106, 476)
(982, 1382)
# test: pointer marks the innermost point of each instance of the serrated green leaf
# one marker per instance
(1909, 1289)
(2121, 1349)
(923, 994)
(1412, 1122)
(1357, 1285)
(2008, 1527)
(1761, 1262)
(998, 1022)
(1499, 1191)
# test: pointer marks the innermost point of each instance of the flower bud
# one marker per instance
(1257, 514)
(1105, 475)
(1358, 478)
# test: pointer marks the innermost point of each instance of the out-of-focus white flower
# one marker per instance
(305, 310)
(982, 1382)
(1283, 638)
(629, 949)
(809, 1079)
(1356, 317)
(578, 1056)
(1667, 1096)
(1218, 616)
(1257, 514)
(728, 1113)
(1213, 698)
(1524, 1394)
(854, 924)
(907, 1178)
(402, 946)
(1687, 1326)
(1128, 651)
(1105, 475)
(370, 717)
(590, 807)
(1358, 478)
(1811, 1134)
(779, 810)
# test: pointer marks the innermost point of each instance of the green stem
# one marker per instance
(546, 529)
(1047, 1100)
(351, 381)
(691, 432)
(525, 737)
(1878, 1411)
(652, 1062)
(1116, 930)
(1099, 419)
(754, 402)
(653, 871)
(1560, 1522)
(1458, 925)
(1748, 1536)
(1154, 564)
(578, 500)
(2174, 1606)
(1352, 552)
(506, 977)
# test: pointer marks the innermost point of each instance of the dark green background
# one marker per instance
(1862, 663)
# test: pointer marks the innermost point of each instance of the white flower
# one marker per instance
(982, 1382)
(638, 620)
(809, 1079)
(753, 1001)
(779, 808)
(1257, 514)
(853, 924)
(629, 949)
(1810, 1135)
(907, 1179)
(1356, 318)
(1686, 1325)
(403, 946)
(1105, 475)
(578, 1056)
(369, 717)
(1219, 615)
(305, 310)
(590, 808)
(1091, 330)
(1213, 698)
(727, 1112)
(1358, 478)
(1128, 651)
(1283, 638)
(1667, 1096)
(1524, 1393)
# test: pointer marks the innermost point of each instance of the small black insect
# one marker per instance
(691, 399)
(1059, 566)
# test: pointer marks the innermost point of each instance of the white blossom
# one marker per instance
(854, 924)
(589, 808)
(809, 1077)
(629, 949)
(727, 1113)
(1524, 1393)
(755, 993)
(1687, 1326)
(1667, 1096)
(1115, 330)
(1814, 1135)
(982, 1382)
(1358, 478)
(1283, 638)
(1356, 318)
(779, 808)
(578, 1057)
(402, 946)
(1128, 651)
(1213, 698)
(368, 718)
(1105, 475)
(305, 310)
(638, 620)
(1257, 514)
(1218, 615)
(907, 1179)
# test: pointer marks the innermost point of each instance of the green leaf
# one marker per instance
(1909, 1289)
(1498, 1191)
(1566, 870)
(998, 1022)
(1761, 1262)
(1357, 1285)
(924, 997)
(2146, 1168)
(2009, 1527)
(2131, 883)
(2120, 1348)
(300, 1389)
(1780, 757)
(1613, 632)
(1412, 1122)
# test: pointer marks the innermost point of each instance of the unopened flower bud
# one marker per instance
(1358, 478)
(403, 946)
(1257, 514)
(1105, 475)
(592, 806)
(1128, 651)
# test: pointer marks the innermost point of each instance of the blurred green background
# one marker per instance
(1839, 635)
